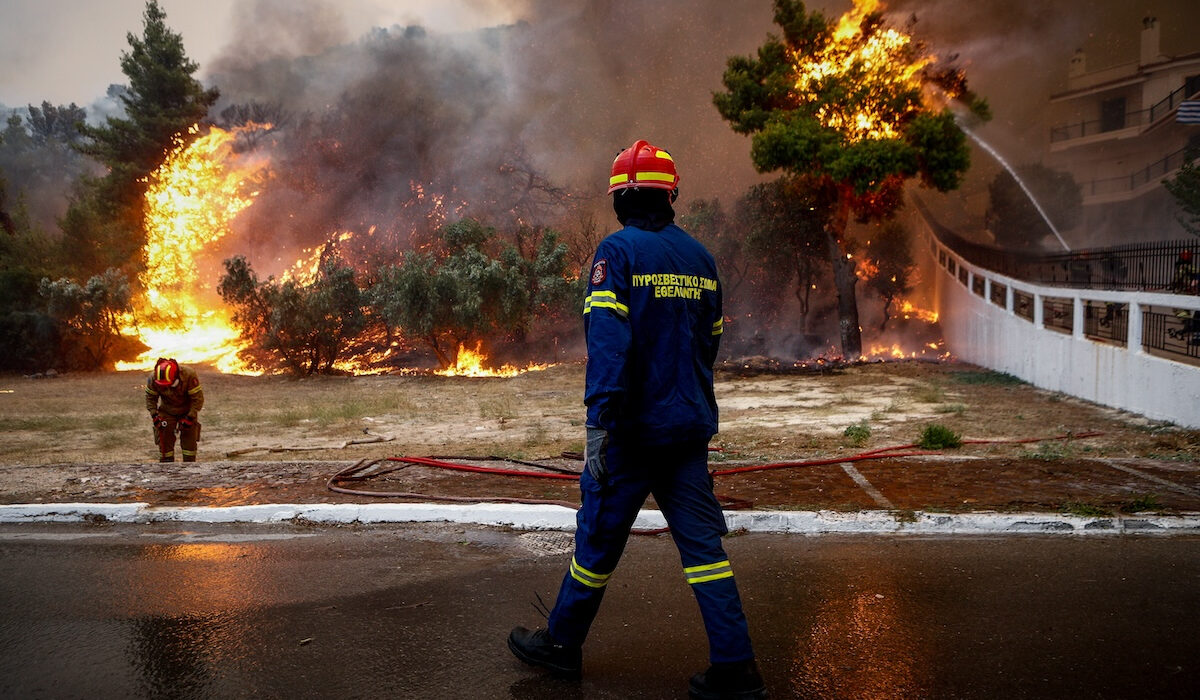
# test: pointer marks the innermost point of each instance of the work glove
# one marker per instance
(185, 423)
(154, 418)
(594, 454)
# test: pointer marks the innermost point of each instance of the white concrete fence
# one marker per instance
(978, 312)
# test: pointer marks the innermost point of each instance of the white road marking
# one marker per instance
(861, 480)
(1150, 477)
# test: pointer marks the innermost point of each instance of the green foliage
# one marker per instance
(89, 315)
(301, 328)
(1014, 219)
(807, 126)
(1185, 188)
(938, 437)
(888, 251)
(462, 293)
(785, 239)
(162, 102)
(986, 377)
(40, 165)
(1085, 510)
(1143, 503)
(858, 434)
(761, 98)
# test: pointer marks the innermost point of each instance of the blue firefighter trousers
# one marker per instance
(678, 477)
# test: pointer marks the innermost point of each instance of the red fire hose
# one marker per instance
(356, 472)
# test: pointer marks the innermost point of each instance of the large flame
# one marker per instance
(190, 204)
(882, 62)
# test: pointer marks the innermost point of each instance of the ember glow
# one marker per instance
(881, 63)
(191, 201)
(908, 311)
(928, 351)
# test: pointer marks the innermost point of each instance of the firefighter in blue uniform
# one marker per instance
(653, 323)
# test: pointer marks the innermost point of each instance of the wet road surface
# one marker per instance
(420, 611)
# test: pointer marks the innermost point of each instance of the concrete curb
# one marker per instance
(548, 517)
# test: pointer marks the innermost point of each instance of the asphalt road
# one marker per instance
(419, 611)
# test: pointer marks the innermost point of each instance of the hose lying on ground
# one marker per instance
(366, 469)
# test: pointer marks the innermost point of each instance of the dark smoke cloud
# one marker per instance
(573, 81)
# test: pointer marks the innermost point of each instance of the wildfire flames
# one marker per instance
(879, 61)
(190, 203)
(472, 363)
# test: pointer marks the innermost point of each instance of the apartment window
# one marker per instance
(1112, 114)
(1192, 85)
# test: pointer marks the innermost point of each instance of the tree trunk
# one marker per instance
(844, 280)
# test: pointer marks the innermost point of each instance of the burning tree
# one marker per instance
(853, 109)
(300, 327)
(461, 292)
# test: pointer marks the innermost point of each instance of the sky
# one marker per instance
(67, 51)
(580, 80)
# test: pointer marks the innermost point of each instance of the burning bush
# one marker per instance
(302, 328)
(461, 293)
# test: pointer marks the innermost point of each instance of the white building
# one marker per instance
(1114, 130)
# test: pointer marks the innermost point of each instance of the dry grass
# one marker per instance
(100, 418)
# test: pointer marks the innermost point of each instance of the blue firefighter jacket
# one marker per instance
(653, 323)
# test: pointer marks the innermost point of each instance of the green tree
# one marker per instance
(38, 160)
(1012, 216)
(785, 235)
(163, 101)
(462, 292)
(888, 252)
(859, 131)
(1185, 188)
(300, 328)
(89, 315)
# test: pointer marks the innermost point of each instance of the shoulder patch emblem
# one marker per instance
(599, 271)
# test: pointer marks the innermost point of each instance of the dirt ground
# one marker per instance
(86, 437)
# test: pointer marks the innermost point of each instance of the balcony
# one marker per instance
(1118, 124)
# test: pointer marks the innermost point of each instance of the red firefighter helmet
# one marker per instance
(1186, 255)
(166, 371)
(643, 165)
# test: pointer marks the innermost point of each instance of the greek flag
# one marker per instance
(1189, 112)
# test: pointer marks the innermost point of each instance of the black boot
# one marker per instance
(538, 648)
(728, 681)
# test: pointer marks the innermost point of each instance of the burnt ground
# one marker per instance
(81, 438)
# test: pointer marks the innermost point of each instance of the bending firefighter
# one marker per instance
(174, 399)
(653, 323)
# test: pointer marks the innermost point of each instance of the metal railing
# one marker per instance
(1106, 321)
(1142, 117)
(1130, 267)
(1173, 333)
(1156, 171)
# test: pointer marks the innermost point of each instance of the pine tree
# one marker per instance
(842, 110)
(163, 101)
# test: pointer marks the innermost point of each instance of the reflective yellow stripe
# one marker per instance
(618, 179)
(189, 453)
(192, 391)
(708, 572)
(588, 578)
(654, 177)
(604, 299)
(150, 391)
(664, 154)
(719, 327)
